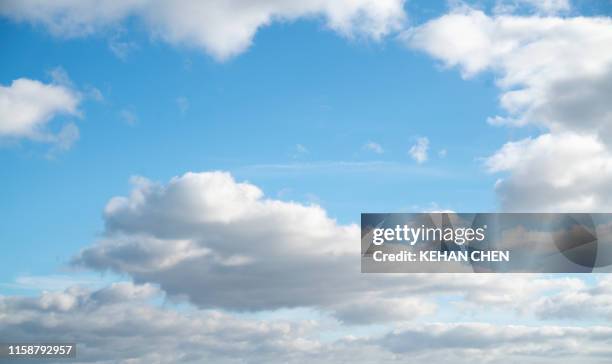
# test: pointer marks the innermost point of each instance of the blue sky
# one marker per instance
(292, 113)
(298, 84)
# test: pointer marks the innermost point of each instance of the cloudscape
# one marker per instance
(183, 181)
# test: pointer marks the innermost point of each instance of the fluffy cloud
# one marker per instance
(586, 302)
(557, 172)
(221, 244)
(225, 247)
(418, 151)
(221, 28)
(554, 73)
(122, 323)
(253, 253)
(27, 106)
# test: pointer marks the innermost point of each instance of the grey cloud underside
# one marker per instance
(221, 244)
(120, 324)
(532, 344)
(582, 103)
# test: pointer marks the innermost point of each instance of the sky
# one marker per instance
(183, 181)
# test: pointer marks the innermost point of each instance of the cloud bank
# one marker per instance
(122, 324)
(240, 260)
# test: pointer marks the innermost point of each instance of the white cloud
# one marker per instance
(224, 246)
(209, 226)
(554, 73)
(418, 151)
(222, 28)
(271, 254)
(122, 323)
(564, 172)
(28, 106)
(578, 303)
(373, 147)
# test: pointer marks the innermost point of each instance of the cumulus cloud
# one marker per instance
(554, 73)
(253, 253)
(205, 233)
(226, 248)
(123, 323)
(579, 302)
(221, 28)
(418, 151)
(28, 106)
(225, 233)
(558, 172)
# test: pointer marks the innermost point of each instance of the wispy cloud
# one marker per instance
(299, 150)
(128, 116)
(183, 104)
(357, 167)
(418, 151)
(54, 282)
(373, 147)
